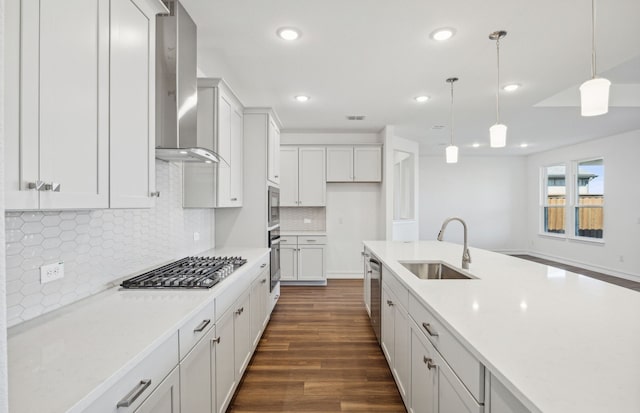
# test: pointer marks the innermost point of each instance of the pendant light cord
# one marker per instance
(593, 39)
(451, 113)
(498, 84)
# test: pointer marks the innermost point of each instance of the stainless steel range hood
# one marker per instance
(177, 89)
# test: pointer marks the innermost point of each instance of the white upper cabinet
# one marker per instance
(360, 163)
(132, 105)
(73, 99)
(273, 153)
(220, 128)
(303, 176)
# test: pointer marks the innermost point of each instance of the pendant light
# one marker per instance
(594, 93)
(498, 132)
(452, 151)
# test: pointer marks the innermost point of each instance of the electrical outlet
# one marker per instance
(51, 272)
(196, 236)
(622, 258)
(307, 221)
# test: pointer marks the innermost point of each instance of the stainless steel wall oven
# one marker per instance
(274, 244)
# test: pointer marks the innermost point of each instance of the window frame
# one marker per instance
(575, 191)
(544, 201)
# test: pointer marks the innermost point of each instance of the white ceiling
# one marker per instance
(372, 57)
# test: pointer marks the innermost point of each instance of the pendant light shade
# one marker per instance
(498, 135)
(498, 132)
(451, 152)
(594, 93)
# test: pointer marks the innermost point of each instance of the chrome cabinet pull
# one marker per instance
(389, 303)
(155, 194)
(264, 280)
(430, 364)
(202, 326)
(427, 327)
(240, 310)
(215, 340)
(312, 240)
(53, 187)
(133, 395)
(263, 265)
(37, 185)
(234, 199)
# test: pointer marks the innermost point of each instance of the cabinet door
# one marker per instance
(223, 187)
(387, 339)
(502, 400)
(225, 378)
(242, 334)
(132, 131)
(195, 377)
(288, 263)
(289, 180)
(273, 152)
(21, 132)
(402, 352)
(258, 306)
(165, 398)
(311, 263)
(312, 186)
(339, 163)
(424, 379)
(367, 164)
(72, 108)
(237, 139)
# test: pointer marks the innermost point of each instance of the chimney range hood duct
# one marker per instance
(177, 89)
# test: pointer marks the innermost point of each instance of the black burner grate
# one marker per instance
(189, 272)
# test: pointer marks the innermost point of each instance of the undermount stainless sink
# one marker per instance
(434, 270)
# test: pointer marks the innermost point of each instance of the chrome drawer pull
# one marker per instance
(312, 240)
(155, 194)
(427, 327)
(215, 340)
(202, 326)
(263, 265)
(389, 303)
(240, 310)
(264, 280)
(133, 395)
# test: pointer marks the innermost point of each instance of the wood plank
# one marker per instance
(318, 354)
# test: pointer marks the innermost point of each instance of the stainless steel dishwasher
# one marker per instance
(376, 295)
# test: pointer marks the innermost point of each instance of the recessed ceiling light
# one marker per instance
(476, 145)
(524, 145)
(288, 33)
(442, 34)
(302, 98)
(421, 99)
(511, 87)
(183, 152)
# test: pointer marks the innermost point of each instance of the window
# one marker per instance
(573, 206)
(589, 193)
(554, 199)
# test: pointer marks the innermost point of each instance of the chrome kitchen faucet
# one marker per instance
(466, 257)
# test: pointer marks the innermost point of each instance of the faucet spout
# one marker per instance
(466, 256)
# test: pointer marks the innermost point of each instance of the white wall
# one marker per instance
(327, 138)
(406, 230)
(352, 216)
(489, 193)
(622, 206)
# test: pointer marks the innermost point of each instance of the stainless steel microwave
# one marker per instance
(273, 207)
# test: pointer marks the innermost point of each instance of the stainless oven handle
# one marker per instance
(275, 241)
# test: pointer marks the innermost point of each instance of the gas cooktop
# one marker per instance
(189, 272)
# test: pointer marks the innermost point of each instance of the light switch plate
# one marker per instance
(307, 221)
(51, 272)
(196, 236)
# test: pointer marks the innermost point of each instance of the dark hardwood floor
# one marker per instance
(633, 285)
(318, 354)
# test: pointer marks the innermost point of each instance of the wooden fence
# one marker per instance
(589, 219)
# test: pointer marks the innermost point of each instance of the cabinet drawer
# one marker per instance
(312, 240)
(469, 370)
(401, 293)
(140, 382)
(196, 328)
(289, 240)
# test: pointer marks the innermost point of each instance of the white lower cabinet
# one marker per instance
(259, 311)
(302, 258)
(395, 341)
(501, 400)
(242, 334)
(225, 378)
(166, 397)
(196, 376)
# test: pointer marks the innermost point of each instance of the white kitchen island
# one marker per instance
(558, 341)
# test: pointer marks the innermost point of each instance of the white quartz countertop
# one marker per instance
(64, 360)
(561, 342)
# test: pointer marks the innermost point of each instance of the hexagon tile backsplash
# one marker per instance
(97, 246)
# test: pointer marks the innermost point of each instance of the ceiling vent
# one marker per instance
(356, 117)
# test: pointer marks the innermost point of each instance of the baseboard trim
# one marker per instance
(590, 267)
(303, 283)
(345, 275)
